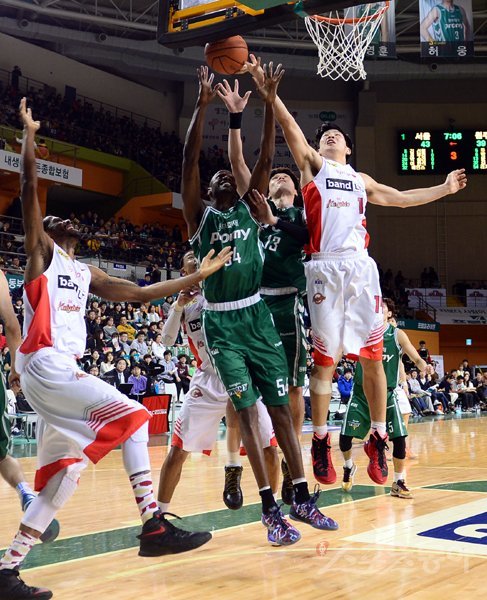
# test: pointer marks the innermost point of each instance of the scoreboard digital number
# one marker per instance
(440, 152)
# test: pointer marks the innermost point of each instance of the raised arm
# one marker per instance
(235, 105)
(38, 245)
(426, 23)
(306, 158)
(384, 195)
(193, 205)
(173, 322)
(259, 179)
(12, 328)
(118, 290)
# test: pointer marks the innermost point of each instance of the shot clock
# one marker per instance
(437, 151)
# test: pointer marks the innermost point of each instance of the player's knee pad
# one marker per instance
(320, 386)
(345, 442)
(399, 450)
(67, 485)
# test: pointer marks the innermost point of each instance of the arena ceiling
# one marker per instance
(119, 36)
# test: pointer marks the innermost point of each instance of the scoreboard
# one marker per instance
(437, 151)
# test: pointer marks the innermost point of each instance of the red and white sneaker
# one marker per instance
(323, 468)
(375, 449)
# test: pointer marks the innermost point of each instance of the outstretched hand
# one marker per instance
(254, 67)
(187, 295)
(26, 117)
(232, 99)
(210, 265)
(268, 89)
(456, 180)
(260, 208)
(206, 91)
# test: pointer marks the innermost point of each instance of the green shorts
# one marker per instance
(5, 425)
(247, 354)
(356, 422)
(287, 312)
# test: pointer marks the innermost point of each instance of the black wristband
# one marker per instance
(236, 120)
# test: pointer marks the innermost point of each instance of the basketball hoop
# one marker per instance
(342, 38)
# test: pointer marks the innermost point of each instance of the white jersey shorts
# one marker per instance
(81, 417)
(403, 401)
(345, 307)
(196, 428)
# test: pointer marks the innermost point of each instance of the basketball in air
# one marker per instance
(228, 56)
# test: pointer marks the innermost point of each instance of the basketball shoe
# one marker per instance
(287, 489)
(159, 537)
(309, 513)
(400, 490)
(13, 588)
(323, 468)
(232, 492)
(375, 449)
(347, 481)
(279, 531)
(52, 531)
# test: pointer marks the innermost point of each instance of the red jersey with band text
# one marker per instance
(335, 202)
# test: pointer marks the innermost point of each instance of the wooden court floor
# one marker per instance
(432, 547)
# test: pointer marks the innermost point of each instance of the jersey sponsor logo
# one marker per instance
(337, 203)
(318, 298)
(238, 234)
(339, 184)
(354, 424)
(318, 282)
(214, 351)
(196, 393)
(194, 325)
(65, 282)
(68, 307)
(385, 357)
(237, 389)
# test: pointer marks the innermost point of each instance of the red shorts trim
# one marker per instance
(47, 471)
(321, 359)
(374, 351)
(178, 443)
(115, 433)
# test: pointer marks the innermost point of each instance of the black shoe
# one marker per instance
(232, 492)
(287, 490)
(13, 588)
(159, 537)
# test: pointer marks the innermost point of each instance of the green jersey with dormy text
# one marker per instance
(391, 359)
(449, 27)
(283, 265)
(240, 277)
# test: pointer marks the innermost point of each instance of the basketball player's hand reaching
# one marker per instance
(26, 117)
(268, 89)
(185, 296)
(260, 208)
(209, 264)
(254, 67)
(206, 91)
(232, 99)
(456, 180)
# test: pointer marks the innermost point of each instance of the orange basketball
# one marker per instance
(228, 56)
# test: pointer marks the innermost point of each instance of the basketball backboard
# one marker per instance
(195, 22)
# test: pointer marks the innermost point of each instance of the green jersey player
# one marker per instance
(240, 337)
(446, 22)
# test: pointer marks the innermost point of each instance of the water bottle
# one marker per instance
(477, 409)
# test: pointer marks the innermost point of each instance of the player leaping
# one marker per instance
(344, 294)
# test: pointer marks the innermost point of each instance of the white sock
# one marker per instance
(379, 427)
(348, 463)
(163, 506)
(299, 480)
(233, 459)
(144, 495)
(263, 489)
(399, 477)
(320, 430)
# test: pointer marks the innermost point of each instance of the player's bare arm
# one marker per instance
(384, 195)
(193, 205)
(426, 23)
(466, 24)
(117, 289)
(38, 245)
(12, 329)
(259, 180)
(306, 158)
(235, 104)
(410, 350)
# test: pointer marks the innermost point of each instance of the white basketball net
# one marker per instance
(342, 38)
